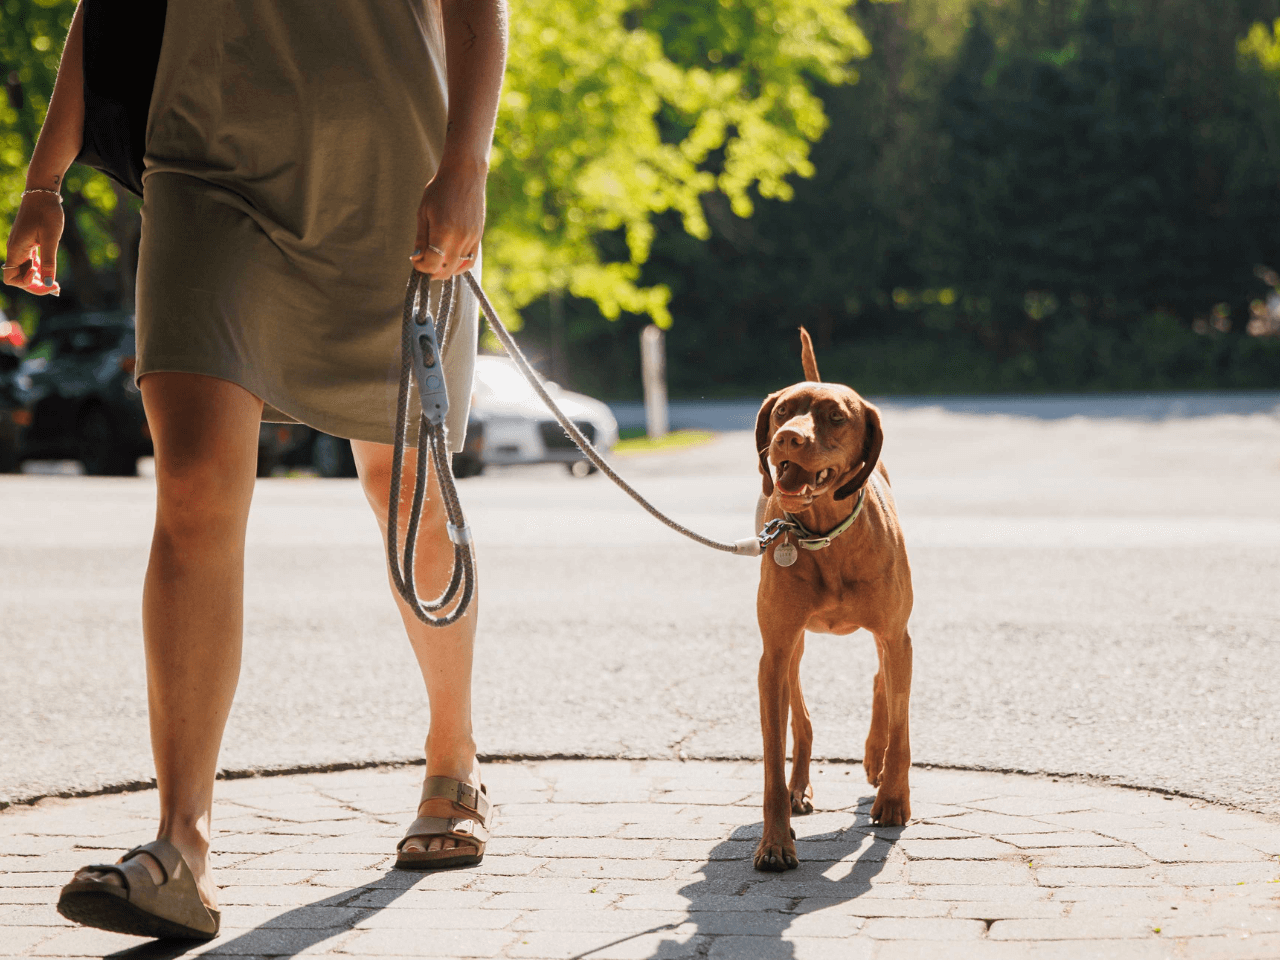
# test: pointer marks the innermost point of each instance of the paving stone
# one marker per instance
(1040, 841)
(994, 910)
(971, 848)
(1260, 947)
(23, 942)
(1220, 874)
(1196, 849)
(595, 848)
(1087, 857)
(873, 905)
(923, 928)
(395, 942)
(1070, 929)
(1056, 871)
(599, 921)
(602, 946)
(449, 918)
(799, 948)
(1098, 877)
(979, 872)
(607, 869)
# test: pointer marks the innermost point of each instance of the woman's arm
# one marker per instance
(451, 215)
(31, 256)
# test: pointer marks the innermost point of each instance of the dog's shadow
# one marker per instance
(730, 898)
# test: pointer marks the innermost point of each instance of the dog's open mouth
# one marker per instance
(794, 480)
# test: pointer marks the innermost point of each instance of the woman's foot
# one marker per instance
(195, 853)
(467, 772)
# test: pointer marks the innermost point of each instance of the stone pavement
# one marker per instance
(621, 859)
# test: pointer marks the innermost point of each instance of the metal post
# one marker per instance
(653, 370)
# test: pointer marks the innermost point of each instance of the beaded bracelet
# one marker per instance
(27, 193)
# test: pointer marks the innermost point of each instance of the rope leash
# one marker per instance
(422, 345)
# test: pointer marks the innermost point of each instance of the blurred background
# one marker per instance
(955, 196)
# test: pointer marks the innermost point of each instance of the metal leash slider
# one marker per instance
(428, 371)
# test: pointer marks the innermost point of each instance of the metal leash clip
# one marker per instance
(773, 530)
(428, 373)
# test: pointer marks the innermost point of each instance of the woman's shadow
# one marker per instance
(295, 931)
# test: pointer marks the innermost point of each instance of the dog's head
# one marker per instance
(819, 439)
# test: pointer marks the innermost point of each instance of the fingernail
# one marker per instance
(416, 254)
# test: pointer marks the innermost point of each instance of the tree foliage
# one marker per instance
(1018, 194)
(612, 112)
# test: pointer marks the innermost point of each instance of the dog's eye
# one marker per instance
(779, 413)
(837, 418)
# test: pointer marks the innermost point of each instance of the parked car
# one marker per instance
(517, 427)
(73, 397)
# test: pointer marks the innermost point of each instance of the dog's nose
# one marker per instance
(790, 438)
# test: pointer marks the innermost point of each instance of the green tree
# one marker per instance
(612, 113)
(102, 223)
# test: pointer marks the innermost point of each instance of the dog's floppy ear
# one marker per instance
(807, 359)
(763, 419)
(871, 445)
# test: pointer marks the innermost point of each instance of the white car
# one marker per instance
(517, 427)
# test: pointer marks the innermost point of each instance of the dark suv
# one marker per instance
(77, 397)
(73, 397)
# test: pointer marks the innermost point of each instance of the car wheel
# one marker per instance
(581, 468)
(101, 450)
(332, 457)
(465, 466)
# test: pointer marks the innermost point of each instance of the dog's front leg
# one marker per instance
(800, 791)
(777, 848)
(892, 805)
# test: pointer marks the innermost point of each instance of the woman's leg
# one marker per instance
(205, 433)
(444, 653)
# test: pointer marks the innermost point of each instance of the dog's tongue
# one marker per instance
(793, 479)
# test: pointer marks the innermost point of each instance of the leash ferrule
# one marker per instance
(459, 535)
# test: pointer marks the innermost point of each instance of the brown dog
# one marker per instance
(823, 443)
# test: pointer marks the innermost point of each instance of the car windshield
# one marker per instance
(500, 379)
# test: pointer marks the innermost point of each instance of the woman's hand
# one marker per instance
(31, 257)
(450, 221)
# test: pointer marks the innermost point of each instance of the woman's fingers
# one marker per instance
(31, 254)
(447, 259)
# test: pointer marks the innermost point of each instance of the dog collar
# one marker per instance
(812, 541)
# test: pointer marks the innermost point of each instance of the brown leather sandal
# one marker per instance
(470, 829)
(142, 907)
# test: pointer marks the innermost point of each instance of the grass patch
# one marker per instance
(634, 440)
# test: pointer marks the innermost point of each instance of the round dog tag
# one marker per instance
(785, 554)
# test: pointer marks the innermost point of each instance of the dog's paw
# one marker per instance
(891, 810)
(775, 857)
(802, 800)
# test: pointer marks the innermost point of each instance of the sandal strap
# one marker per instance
(457, 792)
(163, 852)
(467, 829)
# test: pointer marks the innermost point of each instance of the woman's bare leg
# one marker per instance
(205, 433)
(444, 653)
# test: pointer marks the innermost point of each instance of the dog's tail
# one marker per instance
(807, 358)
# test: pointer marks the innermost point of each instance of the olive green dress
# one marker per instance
(288, 143)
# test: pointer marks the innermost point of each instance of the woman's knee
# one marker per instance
(374, 464)
(205, 433)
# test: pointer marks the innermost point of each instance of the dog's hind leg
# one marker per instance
(800, 789)
(878, 735)
(892, 805)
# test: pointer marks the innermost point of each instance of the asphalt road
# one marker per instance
(1095, 595)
